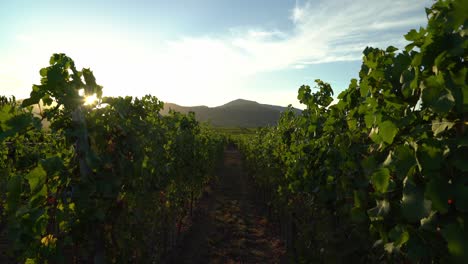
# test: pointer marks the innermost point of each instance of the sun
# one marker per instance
(89, 100)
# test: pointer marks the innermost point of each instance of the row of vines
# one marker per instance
(110, 180)
(382, 175)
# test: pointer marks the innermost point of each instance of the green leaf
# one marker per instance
(22, 210)
(43, 72)
(457, 242)
(53, 165)
(413, 205)
(369, 164)
(359, 198)
(416, 61)
(430, 223)
(391, 49)
(439, 126)
(430, 156)
(437, 190)
(46, 100)
(30, 261)
(403, 158)
(389, 247)
(364, 89)
(445, 103)
(458, 13)
(14, 192)
(381, 179)
(372, 118)
(375, 135)
(379, 211)
(413, 35)
(20, 122)
(369, 120)
(5, 114)
(465, 100)
(34, 97)
(352, 123)
(436, 96)
(416, 248)
(15, 124)
(388, 131)
(36, 178)
(399, 236)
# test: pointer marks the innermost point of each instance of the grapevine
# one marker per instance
(382, 174)
(107, 182)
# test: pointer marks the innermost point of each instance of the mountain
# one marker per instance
(238, 113)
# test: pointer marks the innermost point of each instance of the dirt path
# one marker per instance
(226, 226)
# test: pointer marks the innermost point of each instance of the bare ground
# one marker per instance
(226, 226)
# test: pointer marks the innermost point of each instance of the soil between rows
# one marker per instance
(227, 226)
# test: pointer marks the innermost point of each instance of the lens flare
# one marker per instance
(89, 100)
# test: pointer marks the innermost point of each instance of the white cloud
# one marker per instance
(213, 69)
(262, 34)
(398, 23)
(299, 66)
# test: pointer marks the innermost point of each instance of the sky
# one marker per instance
(201, 52)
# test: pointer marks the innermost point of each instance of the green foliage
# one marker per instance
(381, 180)
(381, 175)
(111, 180)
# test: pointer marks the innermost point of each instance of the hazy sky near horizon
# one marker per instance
(201, 52)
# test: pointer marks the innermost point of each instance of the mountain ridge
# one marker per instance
(236, 113)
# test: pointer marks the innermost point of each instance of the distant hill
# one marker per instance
(238, 113)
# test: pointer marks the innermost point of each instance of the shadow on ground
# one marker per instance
(227, 227)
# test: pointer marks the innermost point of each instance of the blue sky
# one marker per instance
(201, 52)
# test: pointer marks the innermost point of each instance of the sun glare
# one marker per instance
(89, 100)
